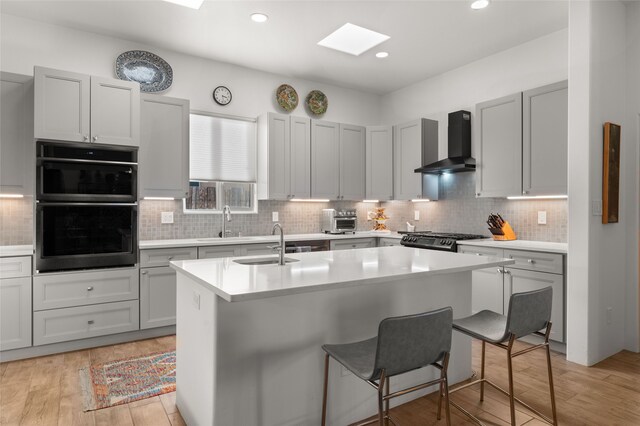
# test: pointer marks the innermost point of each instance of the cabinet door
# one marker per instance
(15, 313)
(164, 147)
(157, 297)
(61, 105)
(352, 153)
(379, 163)
(279, 142)
(300, 163)
(517, 281)
(407, 154)
(115, 112)
(325, 157)
(544, 140)
(487, 289)
(498, 127)
(16, 134)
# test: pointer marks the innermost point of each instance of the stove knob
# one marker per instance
(415, 239)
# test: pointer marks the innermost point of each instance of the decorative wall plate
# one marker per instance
(152, 72)
(287, 97)
(317, 102)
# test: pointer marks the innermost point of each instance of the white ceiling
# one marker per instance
(427, 37)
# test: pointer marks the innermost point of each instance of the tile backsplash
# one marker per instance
(457, 211)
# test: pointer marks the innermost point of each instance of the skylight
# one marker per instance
(193, 4)
(353, 39)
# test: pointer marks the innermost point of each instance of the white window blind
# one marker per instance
(222, 149)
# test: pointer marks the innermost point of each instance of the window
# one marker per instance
(222, 164)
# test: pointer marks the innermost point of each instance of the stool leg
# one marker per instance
(440, 391)
(326, 385)
(445, 383)
(482, 372)
(511, 394)
(380, 399)
(551, 390)
(386, 403)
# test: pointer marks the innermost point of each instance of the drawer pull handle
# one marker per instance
(144, 272)
(170, 257)
(90, 322)
(478, 254)
(501, 271)
(531, 261)
(90, 288)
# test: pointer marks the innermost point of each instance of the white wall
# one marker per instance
(529, 65)
(598, 277)
(25, 43)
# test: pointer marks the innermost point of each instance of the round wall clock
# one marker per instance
(222, 95)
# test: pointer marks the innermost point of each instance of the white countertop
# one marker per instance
(215, 241)
(518, 245)
(325, 270)
(12, 251)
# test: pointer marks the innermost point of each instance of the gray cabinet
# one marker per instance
(545, 116)
(487, 289)
(158, 285)
(325, 160)
(258, 249)
(352, 162)
(75, 107)
(379, 163)
(164, 147)
(17, 151)
(521, 143)
(415, 144)
(388, 242)
(284, 157)
(498, 135)
(355, 243)
(15, 302)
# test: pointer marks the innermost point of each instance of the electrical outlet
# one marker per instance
(274, 216)
(370, 215)
(416, 215)
(596, 207)
(196, 300)
(166, 217)
(609, 315)
(542, 217)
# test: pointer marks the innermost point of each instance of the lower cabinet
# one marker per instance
(15, 313)
(157, 297)
(82, 322)
(386, 242)
(354, 243)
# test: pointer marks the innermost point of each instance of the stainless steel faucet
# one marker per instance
(280, 248)
(226, 217)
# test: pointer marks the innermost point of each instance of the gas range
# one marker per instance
(445, 241)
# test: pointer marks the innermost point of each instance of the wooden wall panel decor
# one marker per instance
(611, 173)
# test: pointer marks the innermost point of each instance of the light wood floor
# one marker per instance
(45, 391)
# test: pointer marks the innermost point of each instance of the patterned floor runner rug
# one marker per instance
(122, 381)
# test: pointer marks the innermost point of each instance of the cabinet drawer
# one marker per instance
(61, 325)
(386, 242)
(14, 267)
(481, 251)
(84, 288)
(162, 257)
(536, 261)
(355, 243)
(212, 252)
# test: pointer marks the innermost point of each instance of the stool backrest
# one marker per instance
(529, 311)
(413, 341)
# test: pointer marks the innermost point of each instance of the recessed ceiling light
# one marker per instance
(479, 4)
(259, 17)
(353, 39)
(382, 54)
(193, 4)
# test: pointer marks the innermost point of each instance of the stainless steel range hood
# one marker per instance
(459, 159)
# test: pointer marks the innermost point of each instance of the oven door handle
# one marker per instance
(88, 204)
(82, 161)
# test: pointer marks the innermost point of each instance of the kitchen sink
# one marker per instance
(263, 261)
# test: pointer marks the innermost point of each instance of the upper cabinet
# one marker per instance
(17, 151)
(284, 157)
(79, 108)
(545, 116)
(415, 144)
(164, 147)
(379, 163)
(521, 143)
(325, 160)
(352, 162)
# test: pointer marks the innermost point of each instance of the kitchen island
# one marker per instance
(249, 336)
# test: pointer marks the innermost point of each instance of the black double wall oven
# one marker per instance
(86, 206)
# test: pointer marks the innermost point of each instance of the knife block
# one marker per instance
(508, 234)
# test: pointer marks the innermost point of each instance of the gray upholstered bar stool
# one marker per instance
(528, 313)
(403, 344)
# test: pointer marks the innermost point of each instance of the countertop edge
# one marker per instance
(543, 246)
